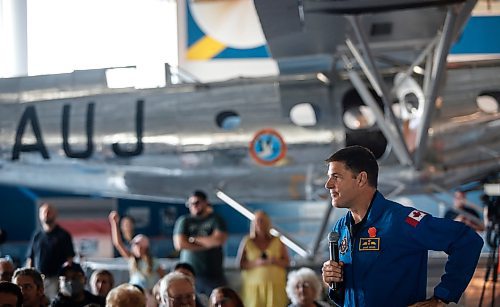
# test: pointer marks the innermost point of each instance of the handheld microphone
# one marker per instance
(333, 245)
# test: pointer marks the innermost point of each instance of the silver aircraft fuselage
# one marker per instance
(164, 142)
(70, 132)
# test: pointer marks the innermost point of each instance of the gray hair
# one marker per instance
(167, 281)
(302, 274)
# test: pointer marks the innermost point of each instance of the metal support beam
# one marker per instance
(464, 14)
(292, 244)
(387, 128)
(13, 38)
(379, 82)
(427, 73)
(364, 67)
(438, 68)
(409, 71)
(322, 228)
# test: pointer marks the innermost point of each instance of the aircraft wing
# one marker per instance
(307, 36)
(369, 6)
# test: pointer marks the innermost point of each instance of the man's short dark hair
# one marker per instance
(184, 265)
(200, 194)
(358, 159)
(11, 288)
(30, 272)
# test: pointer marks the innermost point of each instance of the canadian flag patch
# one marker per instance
(415, 217)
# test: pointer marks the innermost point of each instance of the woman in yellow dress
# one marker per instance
(263, 260)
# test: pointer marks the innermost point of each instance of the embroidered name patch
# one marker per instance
(369, 244)
(415, 217)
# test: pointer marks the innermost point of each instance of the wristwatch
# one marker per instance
(191, 240)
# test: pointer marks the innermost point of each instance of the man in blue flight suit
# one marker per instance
(383, 245)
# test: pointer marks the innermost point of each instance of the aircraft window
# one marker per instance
(304, 115)
(359, 117)
(487, 103)
(382, 28)
(411, 103)
(228, 120)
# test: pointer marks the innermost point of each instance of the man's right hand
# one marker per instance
(332, 272)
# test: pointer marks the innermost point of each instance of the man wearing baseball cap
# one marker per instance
(72, 291)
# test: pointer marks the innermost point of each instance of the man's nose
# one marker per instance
(328, 184)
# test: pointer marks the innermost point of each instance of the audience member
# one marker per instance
(72, 291)
(263, 259)
(49, 249)
(199, 236)
(156, 294)
(304, 288)
(187, 269)
(125, 295)
(101, 282)
(225, 297)
(125, 233)
(6, 269)
(461, 212)
(10, 295)
(144, 270)
(31, 283)
(177, 289)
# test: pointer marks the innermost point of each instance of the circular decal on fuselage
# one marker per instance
(267, 147)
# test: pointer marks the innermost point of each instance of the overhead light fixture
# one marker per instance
(323, 78)
(418, 70)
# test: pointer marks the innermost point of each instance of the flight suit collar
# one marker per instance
(369, 216)
(377, 208)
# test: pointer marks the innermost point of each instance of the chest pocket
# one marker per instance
(367, 252)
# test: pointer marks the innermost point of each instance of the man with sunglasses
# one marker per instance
(199, 236)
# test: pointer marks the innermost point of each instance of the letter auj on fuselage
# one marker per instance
(29, 116)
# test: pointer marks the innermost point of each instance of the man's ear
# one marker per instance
(362, 179)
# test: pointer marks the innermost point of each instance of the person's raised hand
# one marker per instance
(113, 217)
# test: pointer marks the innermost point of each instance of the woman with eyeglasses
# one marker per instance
(304, 288)
(263, 259)
(225, 297)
